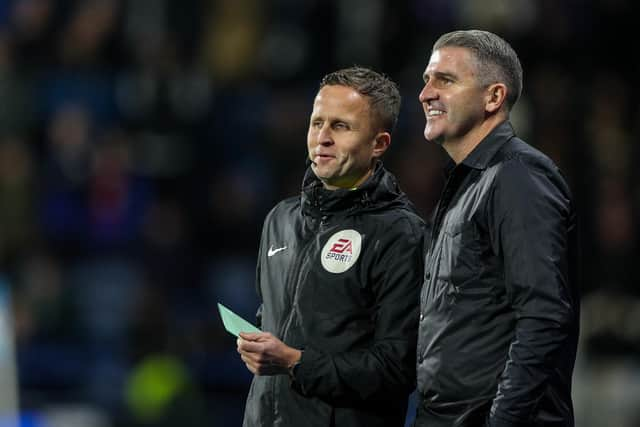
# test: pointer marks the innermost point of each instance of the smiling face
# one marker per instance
(452, 98)
(343, 141)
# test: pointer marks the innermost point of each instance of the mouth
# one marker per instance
(435, 113)
(322, 158)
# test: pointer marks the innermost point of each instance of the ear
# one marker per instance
(496, 96)
(381, 143)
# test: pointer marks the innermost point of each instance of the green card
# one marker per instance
(234, 323)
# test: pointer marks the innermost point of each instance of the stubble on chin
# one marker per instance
(439, 140)
(320, 174)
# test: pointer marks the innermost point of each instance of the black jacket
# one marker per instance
(499, 305)
(339, 275)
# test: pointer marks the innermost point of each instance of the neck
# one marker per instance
(349, 185)
(459, 149)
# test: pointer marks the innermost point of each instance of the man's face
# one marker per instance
(342, 140)
(452, 98)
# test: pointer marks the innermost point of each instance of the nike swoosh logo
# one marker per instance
(272, 251)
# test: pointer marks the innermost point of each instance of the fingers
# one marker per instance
(263, 353)
(251, 346)
(257, 341)
(260, 367)
(254, 353)
(251, 366)
(254, 336)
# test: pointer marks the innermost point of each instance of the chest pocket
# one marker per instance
(463, 251)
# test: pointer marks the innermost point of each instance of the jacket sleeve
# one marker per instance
(387, 366)
(261, 250)
(530, 224)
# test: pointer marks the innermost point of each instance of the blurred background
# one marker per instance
(142, 142)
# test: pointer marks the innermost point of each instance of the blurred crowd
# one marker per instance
(142, 142)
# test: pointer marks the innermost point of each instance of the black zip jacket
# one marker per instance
(339, 276)
(499, 305)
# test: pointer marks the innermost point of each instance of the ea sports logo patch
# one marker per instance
(341, 251)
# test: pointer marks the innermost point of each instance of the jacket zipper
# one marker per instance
(285, 326)
(300, 262)
(295, 275)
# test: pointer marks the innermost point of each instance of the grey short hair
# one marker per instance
(496, 59)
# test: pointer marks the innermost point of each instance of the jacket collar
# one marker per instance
(482, 154)
(380, 189)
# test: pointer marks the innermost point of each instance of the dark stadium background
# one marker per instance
(142, 142)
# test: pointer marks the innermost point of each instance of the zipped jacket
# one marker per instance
(500, 306)
(339, 275)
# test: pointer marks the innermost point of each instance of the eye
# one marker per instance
(340, 126)
(316, 124)
(443, 82)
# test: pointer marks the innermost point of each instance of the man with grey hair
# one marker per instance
(499, 306)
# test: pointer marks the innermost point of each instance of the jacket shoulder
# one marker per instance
(412, 219)
(403, 222)
(521, 167)
(518, 151)
(284, 208)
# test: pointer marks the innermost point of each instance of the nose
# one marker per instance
(427, 93)
(324, 135)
